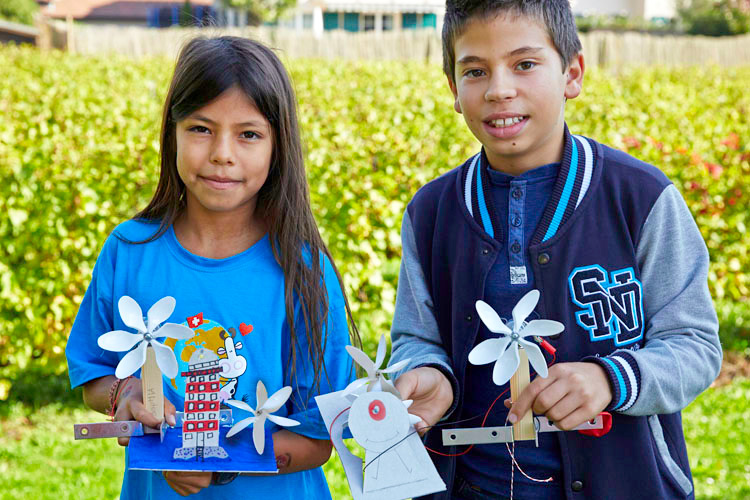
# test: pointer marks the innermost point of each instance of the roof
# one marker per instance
(109, 9)
(18, 29)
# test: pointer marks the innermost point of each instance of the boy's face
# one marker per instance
(511, 88)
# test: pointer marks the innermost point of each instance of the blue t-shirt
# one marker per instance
(239, 299)
(519, 203)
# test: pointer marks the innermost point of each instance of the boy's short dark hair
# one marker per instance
(555, 15)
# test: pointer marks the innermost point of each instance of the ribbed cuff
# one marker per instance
(624, 378)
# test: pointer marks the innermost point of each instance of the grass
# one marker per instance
(40, 460)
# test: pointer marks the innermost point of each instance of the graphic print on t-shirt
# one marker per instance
(224, 342)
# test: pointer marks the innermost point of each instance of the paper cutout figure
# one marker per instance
(404, 471)
(375, 380)
(266, 406)
(380, 422)
(200, 430)
(132, 316)
(504, 350)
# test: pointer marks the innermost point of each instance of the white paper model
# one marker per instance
(266, 406)
(132, 316)
(375, 380)
(503, 351)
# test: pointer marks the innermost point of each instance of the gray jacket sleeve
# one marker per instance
(414, 332)
(682, 354)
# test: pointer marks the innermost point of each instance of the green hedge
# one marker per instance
(79, 154)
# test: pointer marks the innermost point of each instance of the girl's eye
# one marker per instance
(474, 73)
(249, 135)
(198, 128)
(526, 65)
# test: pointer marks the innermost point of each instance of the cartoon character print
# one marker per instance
(232, 366)
(214, 337)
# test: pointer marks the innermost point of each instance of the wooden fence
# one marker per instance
(605, 49)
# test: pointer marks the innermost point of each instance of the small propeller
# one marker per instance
(266, 406)
(375, 379)
(503, 351)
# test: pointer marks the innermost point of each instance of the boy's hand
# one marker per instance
(431, 392)
(572, 394)
(130, 407)
(187, 483)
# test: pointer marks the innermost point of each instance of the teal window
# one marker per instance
(351, 21)
(429, 21)
(409, 20)
(330, 20)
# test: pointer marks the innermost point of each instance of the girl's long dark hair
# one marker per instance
(207, 67)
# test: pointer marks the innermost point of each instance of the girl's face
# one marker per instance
(224, 153)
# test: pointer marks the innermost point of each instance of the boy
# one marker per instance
(607, 240)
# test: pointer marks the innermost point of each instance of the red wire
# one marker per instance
(330, 429)
(483, 422)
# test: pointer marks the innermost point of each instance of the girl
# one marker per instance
(230, 234)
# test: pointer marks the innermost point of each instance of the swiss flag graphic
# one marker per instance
(195, 321)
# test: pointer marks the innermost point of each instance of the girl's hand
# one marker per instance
(187, 483)
(431, 392)
(572, 394)
(130, 407)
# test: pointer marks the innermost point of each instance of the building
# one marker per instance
(200, 427)
(155, 13)
(355, 15)
(17, 33)
(646, 9)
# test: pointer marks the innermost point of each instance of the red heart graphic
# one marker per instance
(245, 329)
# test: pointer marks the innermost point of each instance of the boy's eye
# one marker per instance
(526, 65)
(474, 73)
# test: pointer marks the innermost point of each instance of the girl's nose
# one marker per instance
(222, 152)
(501, 87)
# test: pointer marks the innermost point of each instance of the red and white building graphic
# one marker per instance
(200, 427)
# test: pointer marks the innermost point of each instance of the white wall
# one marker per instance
(609, 7)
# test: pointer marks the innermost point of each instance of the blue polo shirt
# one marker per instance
(519, 203)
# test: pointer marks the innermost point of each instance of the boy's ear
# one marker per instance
(454, 90)
(574, 77)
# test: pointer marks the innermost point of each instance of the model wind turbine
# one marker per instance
(152, 357)
(512, 352)
(266, 406)
(375, 379)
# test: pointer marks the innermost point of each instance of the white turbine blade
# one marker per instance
(542, 328)
(259, 434)
(241, 405)
(396, 366)
(387, 386)
(174, 331)
(278, 399)
(240, 426)
(132, 361)
(407, 403)
(362, 360)
(360, 382)
(380, 356)
(524, 307)
(490, 318)
(282, 421)
(506, 365)
(165, 359)
(131, 313)
(536, 358)
(488, 351)
(261, 395)
(414, 420)
(160, 312)
(118, 340)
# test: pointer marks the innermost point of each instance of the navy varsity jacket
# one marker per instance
(619, 261)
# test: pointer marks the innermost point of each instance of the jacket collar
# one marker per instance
(572, 184)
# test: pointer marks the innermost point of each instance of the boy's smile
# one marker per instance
(511, 89)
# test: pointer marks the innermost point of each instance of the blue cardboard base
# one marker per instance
(149, 453)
